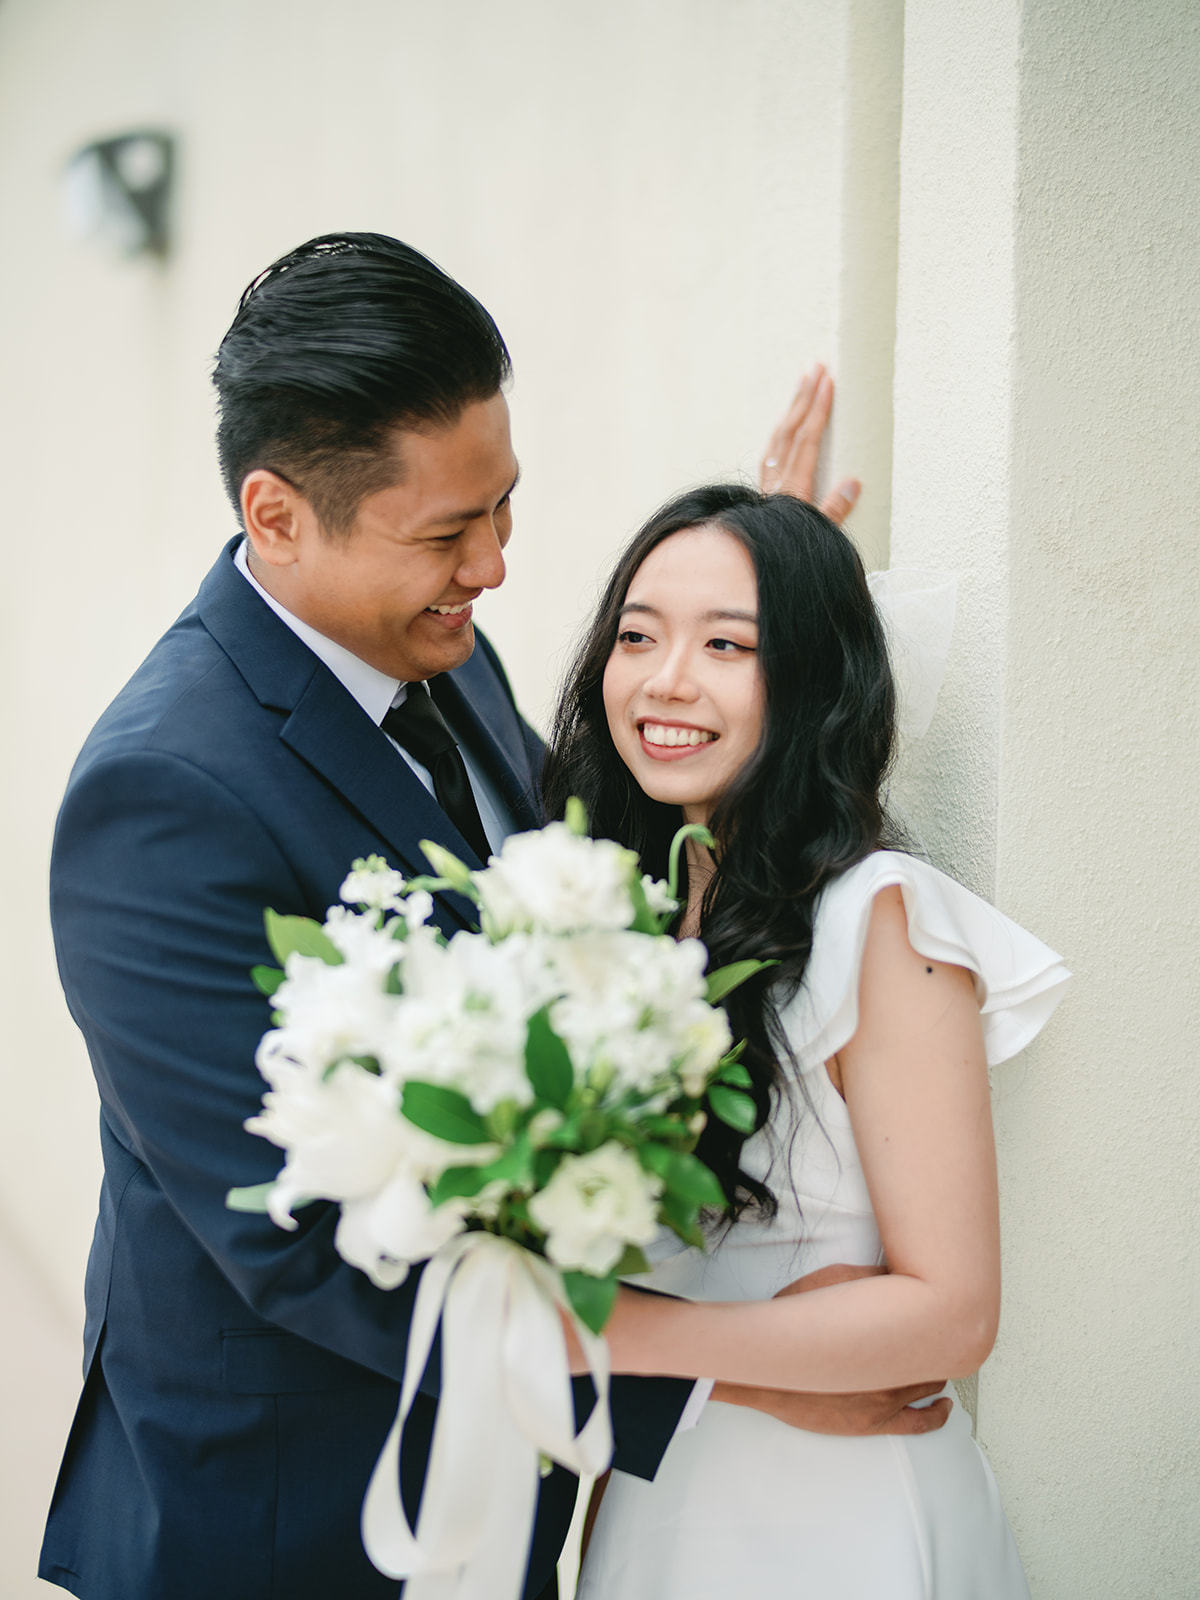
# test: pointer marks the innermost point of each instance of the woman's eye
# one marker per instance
(631, 636)
(728, 647)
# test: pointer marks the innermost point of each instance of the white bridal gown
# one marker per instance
(744, 1506)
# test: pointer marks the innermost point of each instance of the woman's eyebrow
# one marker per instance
(707, 616)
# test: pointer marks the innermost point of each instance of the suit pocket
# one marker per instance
(270, 1361)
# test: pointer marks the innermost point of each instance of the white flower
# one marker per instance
(463, 1018)
(343, 1132)
(374, 884)
(385, 1233)
(330, 1012)
(555, 881)
(705, 1037)
(361, 942)
(657, 898)
(594, 1206)
(418, 908)
(634, 1007)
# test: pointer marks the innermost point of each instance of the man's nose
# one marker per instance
(482, 566)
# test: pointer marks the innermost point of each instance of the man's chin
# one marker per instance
(443, 655)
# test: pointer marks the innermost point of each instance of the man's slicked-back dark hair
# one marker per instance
(335, 346)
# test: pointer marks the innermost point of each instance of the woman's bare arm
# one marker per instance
(915, 1082)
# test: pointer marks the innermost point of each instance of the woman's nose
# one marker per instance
(671, 681)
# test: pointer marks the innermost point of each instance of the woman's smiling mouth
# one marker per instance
(669, 741)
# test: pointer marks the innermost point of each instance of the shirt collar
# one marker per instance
(375, 692)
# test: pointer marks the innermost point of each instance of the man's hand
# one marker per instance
(790, 463)
(876, 1411)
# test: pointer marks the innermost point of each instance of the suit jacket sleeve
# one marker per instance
(159, 880)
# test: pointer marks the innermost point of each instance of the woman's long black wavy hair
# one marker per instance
(807, 803)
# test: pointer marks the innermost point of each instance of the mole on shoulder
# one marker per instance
(928, 969)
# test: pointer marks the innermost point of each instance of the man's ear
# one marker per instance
(277, 518)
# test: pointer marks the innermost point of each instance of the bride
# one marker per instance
(737, 675)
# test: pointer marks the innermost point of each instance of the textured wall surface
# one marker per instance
(646, 195)
(1090, 1409)
(1047, 390)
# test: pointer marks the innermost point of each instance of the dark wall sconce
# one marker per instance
(119, 190)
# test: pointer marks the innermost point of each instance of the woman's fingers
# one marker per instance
(775, 464)
(839, 503)
(790, 464)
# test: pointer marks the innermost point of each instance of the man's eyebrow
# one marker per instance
(477, 511)
(707, 616)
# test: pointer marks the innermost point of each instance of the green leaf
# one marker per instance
(444, 1113)
(266, 979)
(576, 817)
(592, 1299)
(734, 1072)
(565, 1136)
(684, 1175)
(502, 1120)
(253, 1199)
(594, 1128)
(632, 1261)
(663, 1127)
(301, 934)
(514, 1167)
(726, 979)
(545, 1162)
(734, 1108)
(682, 1218)
(547, 1062)
(447, 865)
(457, 1183)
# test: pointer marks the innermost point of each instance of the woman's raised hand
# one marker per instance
(790, 463)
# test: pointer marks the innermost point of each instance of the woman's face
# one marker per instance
(682, 690)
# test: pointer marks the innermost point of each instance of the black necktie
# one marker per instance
(419, 726)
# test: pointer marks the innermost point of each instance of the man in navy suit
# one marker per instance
(239, 1380)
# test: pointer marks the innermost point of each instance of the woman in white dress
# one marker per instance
(737, 675)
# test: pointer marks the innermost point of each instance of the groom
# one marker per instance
(324, 697)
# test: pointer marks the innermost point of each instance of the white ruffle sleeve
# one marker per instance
(1019, 980)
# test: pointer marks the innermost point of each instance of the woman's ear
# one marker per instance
(276, 516)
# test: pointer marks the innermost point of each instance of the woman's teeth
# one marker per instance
(449, 611)
(655, 733)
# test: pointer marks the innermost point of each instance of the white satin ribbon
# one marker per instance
(505, 1398)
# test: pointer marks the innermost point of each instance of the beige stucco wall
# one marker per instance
(1048, 386)
(656, 198)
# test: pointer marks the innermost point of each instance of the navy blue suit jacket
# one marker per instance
(240, 1380)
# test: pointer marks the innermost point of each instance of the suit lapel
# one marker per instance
(332, 733)
(326, 727)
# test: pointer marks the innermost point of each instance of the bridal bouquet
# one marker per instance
(517, 1107)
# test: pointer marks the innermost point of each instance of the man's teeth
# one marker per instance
(449, 611)
(655, 733)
